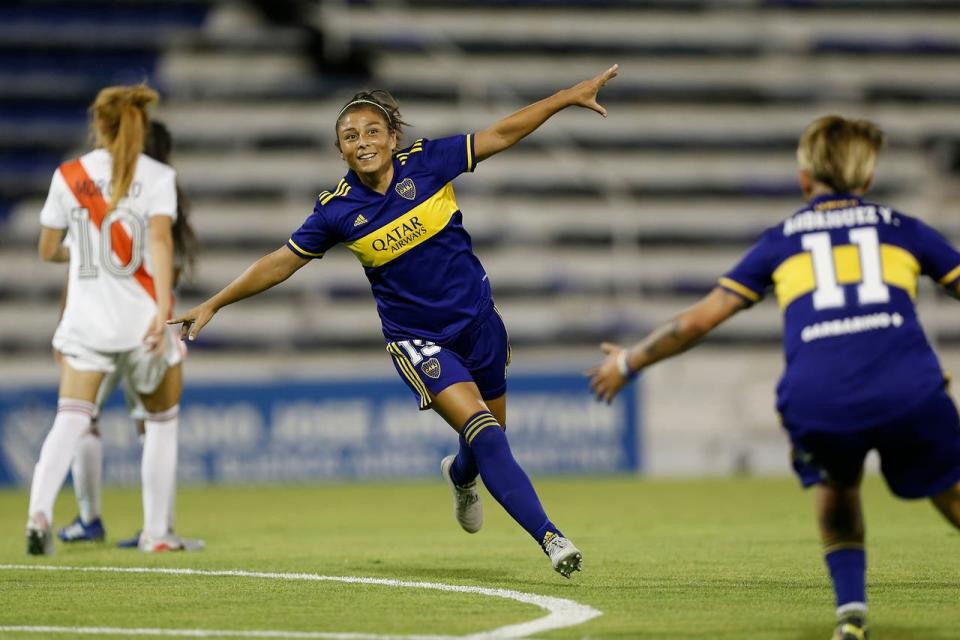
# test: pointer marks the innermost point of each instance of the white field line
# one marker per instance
(560, 611)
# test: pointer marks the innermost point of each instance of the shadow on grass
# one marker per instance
(893, 632)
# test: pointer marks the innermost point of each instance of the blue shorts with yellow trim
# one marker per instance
(479, 354)
(919, 452)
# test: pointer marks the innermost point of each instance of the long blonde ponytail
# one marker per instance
(120, 123)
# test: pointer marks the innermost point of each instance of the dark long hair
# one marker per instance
(380, 100)
(158, 145)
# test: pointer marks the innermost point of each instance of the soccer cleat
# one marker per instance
(169, 542)
(466, 499)
(79, 531)
(852, 626)
(39, 536)
(150, 544)
(130, 543)
(564, 555)
(192, 544)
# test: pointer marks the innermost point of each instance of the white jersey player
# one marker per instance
(87, 467)
(119, 207)
(110, 304)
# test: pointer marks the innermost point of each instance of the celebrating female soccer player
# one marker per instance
(860, 374)
(119, 297)
(397, 212)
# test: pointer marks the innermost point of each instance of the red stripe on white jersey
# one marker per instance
(78, 181)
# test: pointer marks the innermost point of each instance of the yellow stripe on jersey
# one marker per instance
(950, 277)
(342, 189)
(735, 286)
(410, 230)
(900, 268)
(416, 147)
(306, 253)
(469, 152)
(794, 277)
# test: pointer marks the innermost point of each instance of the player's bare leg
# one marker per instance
(462, 406)
(948, 503)
(498, 407)
(842, 531)
(75, 409)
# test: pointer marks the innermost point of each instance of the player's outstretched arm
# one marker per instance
(510, 130)
(270, 270)
(669, 339)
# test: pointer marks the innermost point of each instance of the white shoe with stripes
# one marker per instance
(467, 507)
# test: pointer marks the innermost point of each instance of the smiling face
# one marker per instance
(366, 142)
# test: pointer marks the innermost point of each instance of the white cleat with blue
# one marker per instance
(564, 555)
(466, 499)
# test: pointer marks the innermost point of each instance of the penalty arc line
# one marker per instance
(561, 612)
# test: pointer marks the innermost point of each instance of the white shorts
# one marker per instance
(135, 407)
(141, 371)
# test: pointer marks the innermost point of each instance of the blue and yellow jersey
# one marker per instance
(844, 272)
(417, 255)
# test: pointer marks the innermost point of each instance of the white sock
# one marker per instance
(87, 473)
(59, 448)
(159, 470)
(173, 507)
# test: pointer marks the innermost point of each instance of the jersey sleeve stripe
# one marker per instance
(470, 164)
(950, 277)
(739, 289)
(300, 252)
(342, 190)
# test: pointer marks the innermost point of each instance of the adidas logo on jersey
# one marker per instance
(359, 221)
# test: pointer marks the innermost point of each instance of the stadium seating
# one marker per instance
(591, 228)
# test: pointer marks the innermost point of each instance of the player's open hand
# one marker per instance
(605, 378)
(584, 94)
(193, 321)
(155, 336)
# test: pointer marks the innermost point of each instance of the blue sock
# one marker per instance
(848, 569)
(464, 469)
(503, 477)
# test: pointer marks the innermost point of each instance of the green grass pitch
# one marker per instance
(663, 559)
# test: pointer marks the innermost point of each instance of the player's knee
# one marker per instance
(839, 513)
(948, 503)
(842, 523)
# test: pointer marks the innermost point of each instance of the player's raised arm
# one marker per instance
(510, 130)
(268, 271)
(669, 339)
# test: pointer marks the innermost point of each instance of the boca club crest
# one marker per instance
(406, 189)
(431, 368)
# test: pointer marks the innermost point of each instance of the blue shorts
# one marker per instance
(919, 452)
(480, 354)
